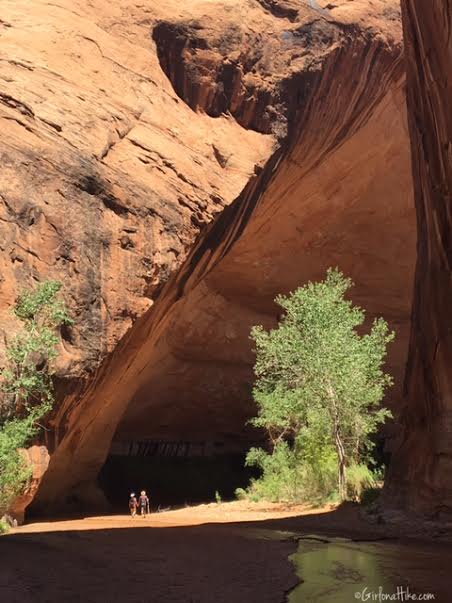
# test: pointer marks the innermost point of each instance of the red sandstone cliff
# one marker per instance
(111, 172)
(107, 177)
(420, 477)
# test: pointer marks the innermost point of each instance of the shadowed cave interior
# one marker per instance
(173, 481)
(177, 472)
(183, 442)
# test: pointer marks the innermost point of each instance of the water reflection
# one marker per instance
(336, 571)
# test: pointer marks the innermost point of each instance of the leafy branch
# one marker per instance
(26, 388)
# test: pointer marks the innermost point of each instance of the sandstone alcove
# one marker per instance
(315, 205)
(197, 379)
(175, 166)
(336, 191)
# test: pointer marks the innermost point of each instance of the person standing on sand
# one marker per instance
(133, 504)
(144, 504)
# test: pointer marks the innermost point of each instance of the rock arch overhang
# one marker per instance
(337, 191)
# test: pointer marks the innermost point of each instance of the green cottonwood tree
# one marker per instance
(319, 383)
(26, 391)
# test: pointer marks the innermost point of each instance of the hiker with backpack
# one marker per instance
(133, 504)
(143, 501)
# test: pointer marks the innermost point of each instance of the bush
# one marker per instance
(241, 494)
(14, 471)
(281, 474)
(26, 383)
(4, 527)
(288, 476)
(359, 479)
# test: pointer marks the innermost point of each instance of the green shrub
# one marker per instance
(288, 476)
(359, 478)
(240, 494)
(26, 383)
(281, 474)
(14, 471)
(292, 476)
(4, 527)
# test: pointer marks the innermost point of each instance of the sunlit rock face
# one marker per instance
(421, 472)
(106, 177)
(161, 349)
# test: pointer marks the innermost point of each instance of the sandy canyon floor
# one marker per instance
(217, 553)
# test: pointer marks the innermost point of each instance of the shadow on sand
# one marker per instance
(216, 563)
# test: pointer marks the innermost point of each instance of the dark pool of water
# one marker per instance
(340, 570)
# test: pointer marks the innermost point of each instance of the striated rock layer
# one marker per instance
(329, 83)
(420, 477)
(107, 177)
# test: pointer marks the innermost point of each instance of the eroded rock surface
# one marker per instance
(107, 177)
(330, 197)
(421, 471)
(337, 192)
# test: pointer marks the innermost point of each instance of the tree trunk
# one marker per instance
(342, 477)
(342, 481)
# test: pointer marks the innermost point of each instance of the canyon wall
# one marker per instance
(107, 177)
(420, 478)
(336, 192)
(140, 167)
